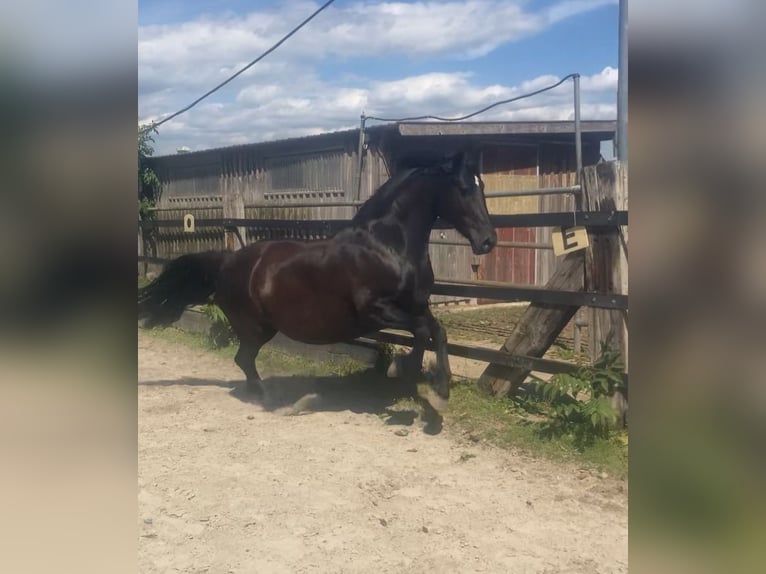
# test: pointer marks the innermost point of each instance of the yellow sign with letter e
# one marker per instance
(568, 239)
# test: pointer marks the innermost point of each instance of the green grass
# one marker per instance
(493, 316)
(499, 422)
(502, 423)
(270, 360)
(510, 313)
(492, 325)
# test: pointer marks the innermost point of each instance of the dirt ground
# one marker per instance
(228, 486)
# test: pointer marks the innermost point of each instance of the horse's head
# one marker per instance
(463, 205)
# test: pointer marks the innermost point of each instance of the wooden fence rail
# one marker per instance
(605, 216)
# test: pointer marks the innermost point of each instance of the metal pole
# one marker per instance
(578, 139)
(570, 189)
(621, 139)
(578, 128)
(360, 156)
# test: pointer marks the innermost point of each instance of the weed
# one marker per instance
(220, 334)
(580, 403)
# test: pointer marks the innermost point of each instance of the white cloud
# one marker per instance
(288, 109)
(285, 96)
(206, 51)
(603, 81)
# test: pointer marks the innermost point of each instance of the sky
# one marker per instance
(390, 59)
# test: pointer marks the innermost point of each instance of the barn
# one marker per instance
(326, 176)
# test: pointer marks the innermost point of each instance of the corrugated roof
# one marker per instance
(604, 127)
(503, 128)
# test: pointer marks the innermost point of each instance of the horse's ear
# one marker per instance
(458, 163)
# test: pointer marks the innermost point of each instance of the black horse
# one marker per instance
(373, 275)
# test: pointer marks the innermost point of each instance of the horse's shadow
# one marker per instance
(362, 392)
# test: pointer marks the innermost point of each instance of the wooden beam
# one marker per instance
(605, 188)
(475, 353)
(537, 329)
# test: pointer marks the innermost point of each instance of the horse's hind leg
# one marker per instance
(250, 343)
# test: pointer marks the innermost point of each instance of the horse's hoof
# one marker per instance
(254, 387)
(434, 425)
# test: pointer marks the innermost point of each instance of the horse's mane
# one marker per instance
(384, 197)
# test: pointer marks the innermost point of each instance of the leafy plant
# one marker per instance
(221, 334)
(581, 402)
(148, 182)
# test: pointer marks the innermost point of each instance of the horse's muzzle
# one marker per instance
(485, 245)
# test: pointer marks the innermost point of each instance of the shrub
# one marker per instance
(581, 402)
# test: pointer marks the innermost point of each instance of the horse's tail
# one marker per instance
(187, 280)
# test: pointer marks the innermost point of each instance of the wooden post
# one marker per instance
(233, 207)
(605, 188)
(537, 329)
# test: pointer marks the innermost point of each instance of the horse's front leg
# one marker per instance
(426, 327)
(443, 373)
(410, 366)
(423, 326)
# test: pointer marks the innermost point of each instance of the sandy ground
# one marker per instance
(228, 486)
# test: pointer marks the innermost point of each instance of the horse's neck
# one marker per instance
(415, 215)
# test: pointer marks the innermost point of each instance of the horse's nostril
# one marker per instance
(487, 245)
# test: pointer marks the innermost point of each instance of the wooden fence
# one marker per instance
(601, 288)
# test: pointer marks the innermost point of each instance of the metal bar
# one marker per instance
(360, 156)
(590, 219)
(510, 244)
(506, 292)
(578, 138)
(479, 354)
(571, 189)
(621, 139)
(312, 204)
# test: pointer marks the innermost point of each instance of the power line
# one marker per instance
(155, 125)
(481, 111)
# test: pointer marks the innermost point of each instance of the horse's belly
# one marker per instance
(317, 322)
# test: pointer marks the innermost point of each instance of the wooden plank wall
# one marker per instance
(283, 177)
(510, 168)
(188, 187)
(285, 182)
(172, 241)
(280, 179)
(451, 261)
